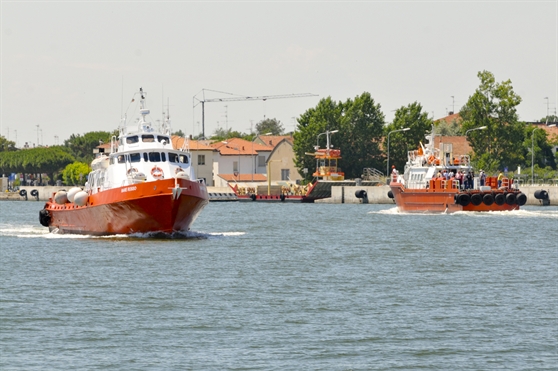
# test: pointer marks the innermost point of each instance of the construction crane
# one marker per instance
(238, 98)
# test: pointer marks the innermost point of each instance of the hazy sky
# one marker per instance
(68, 66)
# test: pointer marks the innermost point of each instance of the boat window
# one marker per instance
(135, 157)
(173, 157)
(132, 139)
(154, 156)
(160, 138)
(144, 157)
(147, 138)
(121, 159)
(183, 159)
(163, 156)
(333, 162)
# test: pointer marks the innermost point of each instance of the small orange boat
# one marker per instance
(421, 189)
(142, 186)
(327, 175)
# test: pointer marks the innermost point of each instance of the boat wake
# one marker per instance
(522, 214)
(539, 212)
(29, 231)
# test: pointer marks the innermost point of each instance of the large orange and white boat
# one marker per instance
(422, 188)
(142, 186)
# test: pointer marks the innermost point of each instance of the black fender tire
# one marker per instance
(464, 199)
(500, 199)
(521, 199)
(476, 199)
(510, 198)
(488, 199)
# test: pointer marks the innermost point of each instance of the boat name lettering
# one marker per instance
(129, 189)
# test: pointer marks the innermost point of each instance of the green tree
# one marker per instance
(359, 123)
(81, 146)
(536, 140)
(272, 126)
(178, 133)
(452, 128)
(549, 119)
(76, 173)
(222, 134)
(494, 105)
(400, 142)
(49, 160)
(6, 145)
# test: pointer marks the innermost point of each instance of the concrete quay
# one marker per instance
(378, 194)
(339, 195)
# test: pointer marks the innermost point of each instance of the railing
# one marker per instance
(370, 173)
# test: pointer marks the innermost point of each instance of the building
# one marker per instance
(239, 161)
(281, 162)
(202, 154)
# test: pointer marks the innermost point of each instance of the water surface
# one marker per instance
(284, 287)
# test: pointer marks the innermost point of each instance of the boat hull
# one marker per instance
(167, 206)
(438, 201)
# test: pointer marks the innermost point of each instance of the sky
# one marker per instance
(72, 67)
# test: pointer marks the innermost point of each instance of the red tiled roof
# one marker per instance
(449, 119)
(238, 146)
(243, 177)
(178, 142)
(273, 140)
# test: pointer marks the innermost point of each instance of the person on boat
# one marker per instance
(500, 178)
(458, 177)
(482, 176)
(394, 173)
(469, 180)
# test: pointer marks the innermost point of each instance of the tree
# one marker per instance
(37, 160)
(537, 140)
(272, 126)
(76, 173)
(6, 145)
(549, 119)
(494, 105)
(452, 128)
(81, 147)
(178, 133)
(359, 121)
(412, 117)
(221, 134)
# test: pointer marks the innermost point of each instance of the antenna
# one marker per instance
(453, 104)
